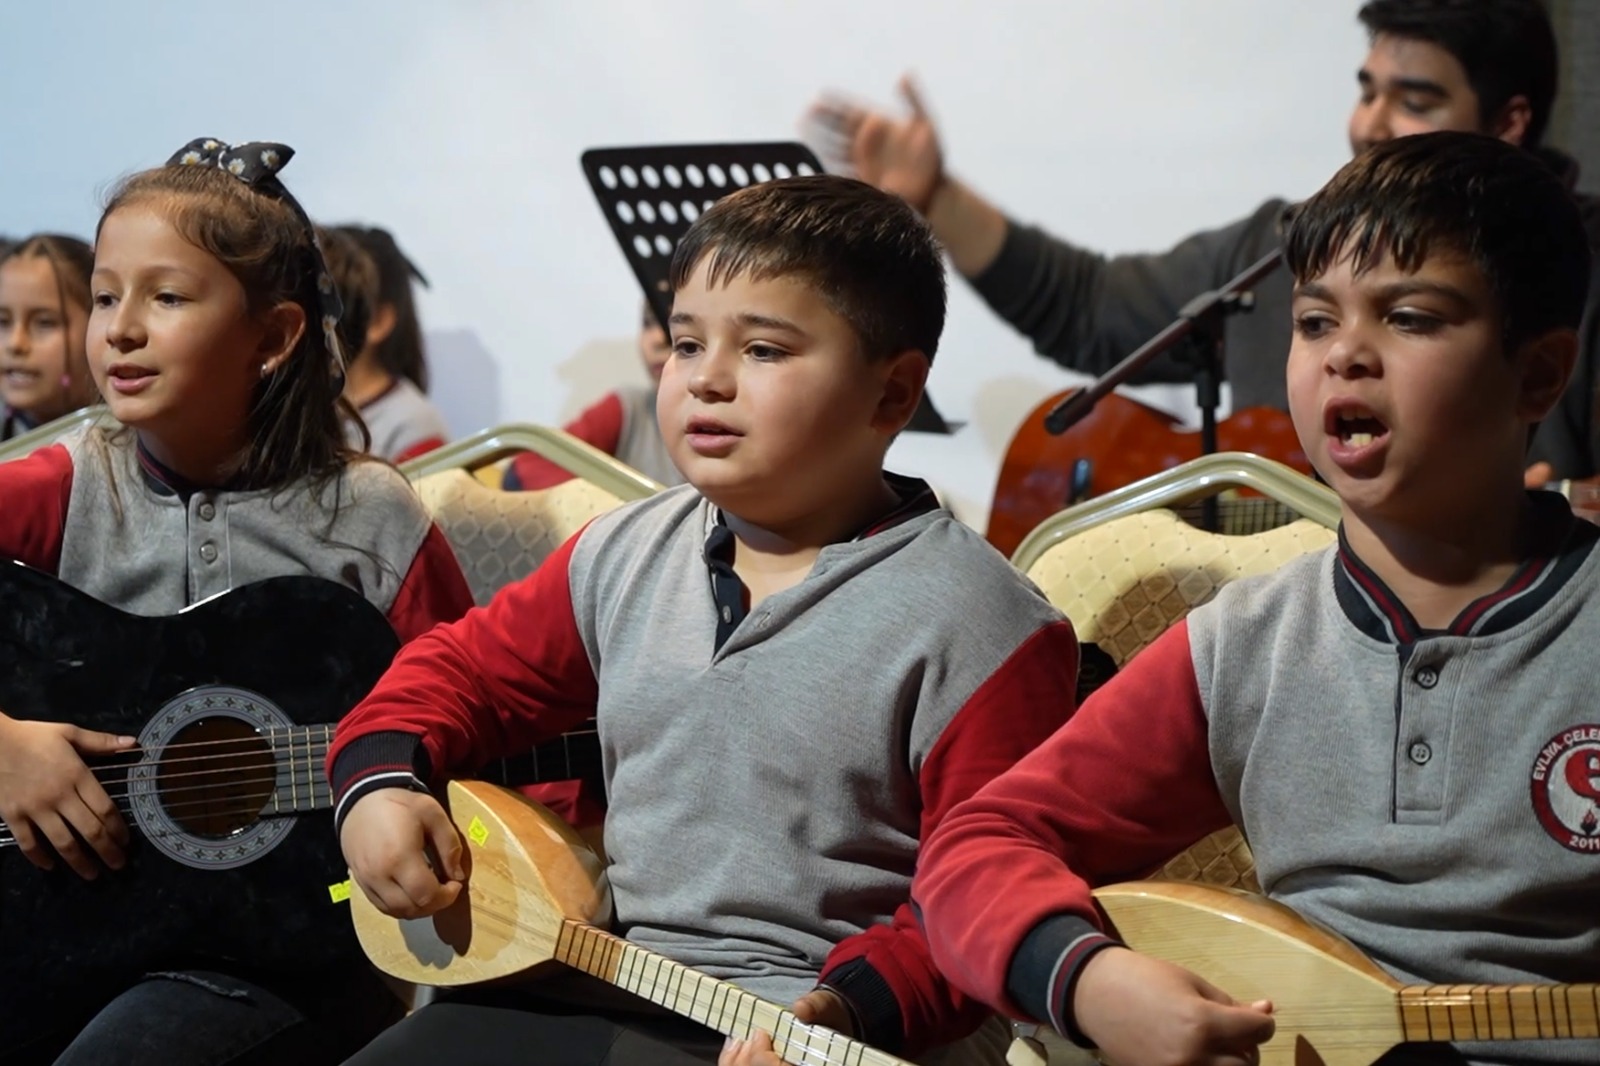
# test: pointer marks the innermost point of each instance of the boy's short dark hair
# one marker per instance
(355, 275)
(1506, 47)
(1462, 193)
(870, 256)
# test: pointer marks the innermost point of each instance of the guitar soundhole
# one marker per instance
(215, 776)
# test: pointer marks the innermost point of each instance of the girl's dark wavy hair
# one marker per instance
(296, 417)
(402, 352)
(1465, 194)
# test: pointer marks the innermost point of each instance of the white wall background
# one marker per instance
(1123, 124)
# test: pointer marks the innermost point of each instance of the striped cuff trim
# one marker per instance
(1064, 979)
(372, 783)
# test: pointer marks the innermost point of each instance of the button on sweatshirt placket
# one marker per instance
(1424, 698)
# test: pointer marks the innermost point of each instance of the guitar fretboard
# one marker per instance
(572, 755)
(1500, 1012)
(713, 1003)
(302, 783)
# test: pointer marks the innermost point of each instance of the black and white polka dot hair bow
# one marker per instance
(257, 163)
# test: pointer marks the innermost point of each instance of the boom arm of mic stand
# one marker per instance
(1076, 406)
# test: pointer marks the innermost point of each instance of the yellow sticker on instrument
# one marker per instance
(339, 892)
(477, 832)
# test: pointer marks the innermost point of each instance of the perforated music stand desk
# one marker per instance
(651, 195)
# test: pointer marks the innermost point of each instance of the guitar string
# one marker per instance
(230, 776)
(314, 756)
(237, 807)
(248, 814)
(315, 752)
(141, 753)
(255, 736)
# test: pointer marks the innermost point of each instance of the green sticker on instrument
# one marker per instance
(339, 892)
(477, 832)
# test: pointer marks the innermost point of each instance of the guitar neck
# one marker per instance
(1500, 1012)
(713, 1003)
(302, 781)
(572, 755)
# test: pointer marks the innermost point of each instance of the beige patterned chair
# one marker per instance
(1123, 567)
(500, 537)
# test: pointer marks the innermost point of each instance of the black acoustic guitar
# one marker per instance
(233, 859)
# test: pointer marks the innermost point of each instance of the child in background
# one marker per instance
(777, 738)
(623, 423)
(355, 275)
(44, 311)
(214, 343)
(387, 381)
(1401, 725)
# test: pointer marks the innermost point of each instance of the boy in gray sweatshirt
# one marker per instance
(1402, 725)
(797, 664)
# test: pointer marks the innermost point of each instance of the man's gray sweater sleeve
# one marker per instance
(1087, 311)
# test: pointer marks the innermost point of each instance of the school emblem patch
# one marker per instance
(1566, 788)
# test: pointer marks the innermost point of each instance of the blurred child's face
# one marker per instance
(767, 404)
(1401, 389)
(1411, 86)
(655, 347)
(41, 361)
(172, 344)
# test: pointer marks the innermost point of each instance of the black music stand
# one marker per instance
(651, 195)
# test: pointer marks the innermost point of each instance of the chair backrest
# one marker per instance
(1123, 575)
(39, 436)
(581, 458)
(1124, 582)
(500, 537)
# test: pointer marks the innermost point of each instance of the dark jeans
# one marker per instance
(510, 1027)
(203, 1018)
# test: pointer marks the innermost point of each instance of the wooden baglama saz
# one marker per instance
(535, 898)
(233, 856)
(1122, 441)
(1333, 1005)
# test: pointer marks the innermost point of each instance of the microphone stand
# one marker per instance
(1201, 321)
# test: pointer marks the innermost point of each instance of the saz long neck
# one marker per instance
(1500, 1012)
(713, 1003)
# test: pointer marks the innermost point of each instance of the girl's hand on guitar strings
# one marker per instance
(50, 799)
(1140, 1011)
(387, 838)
